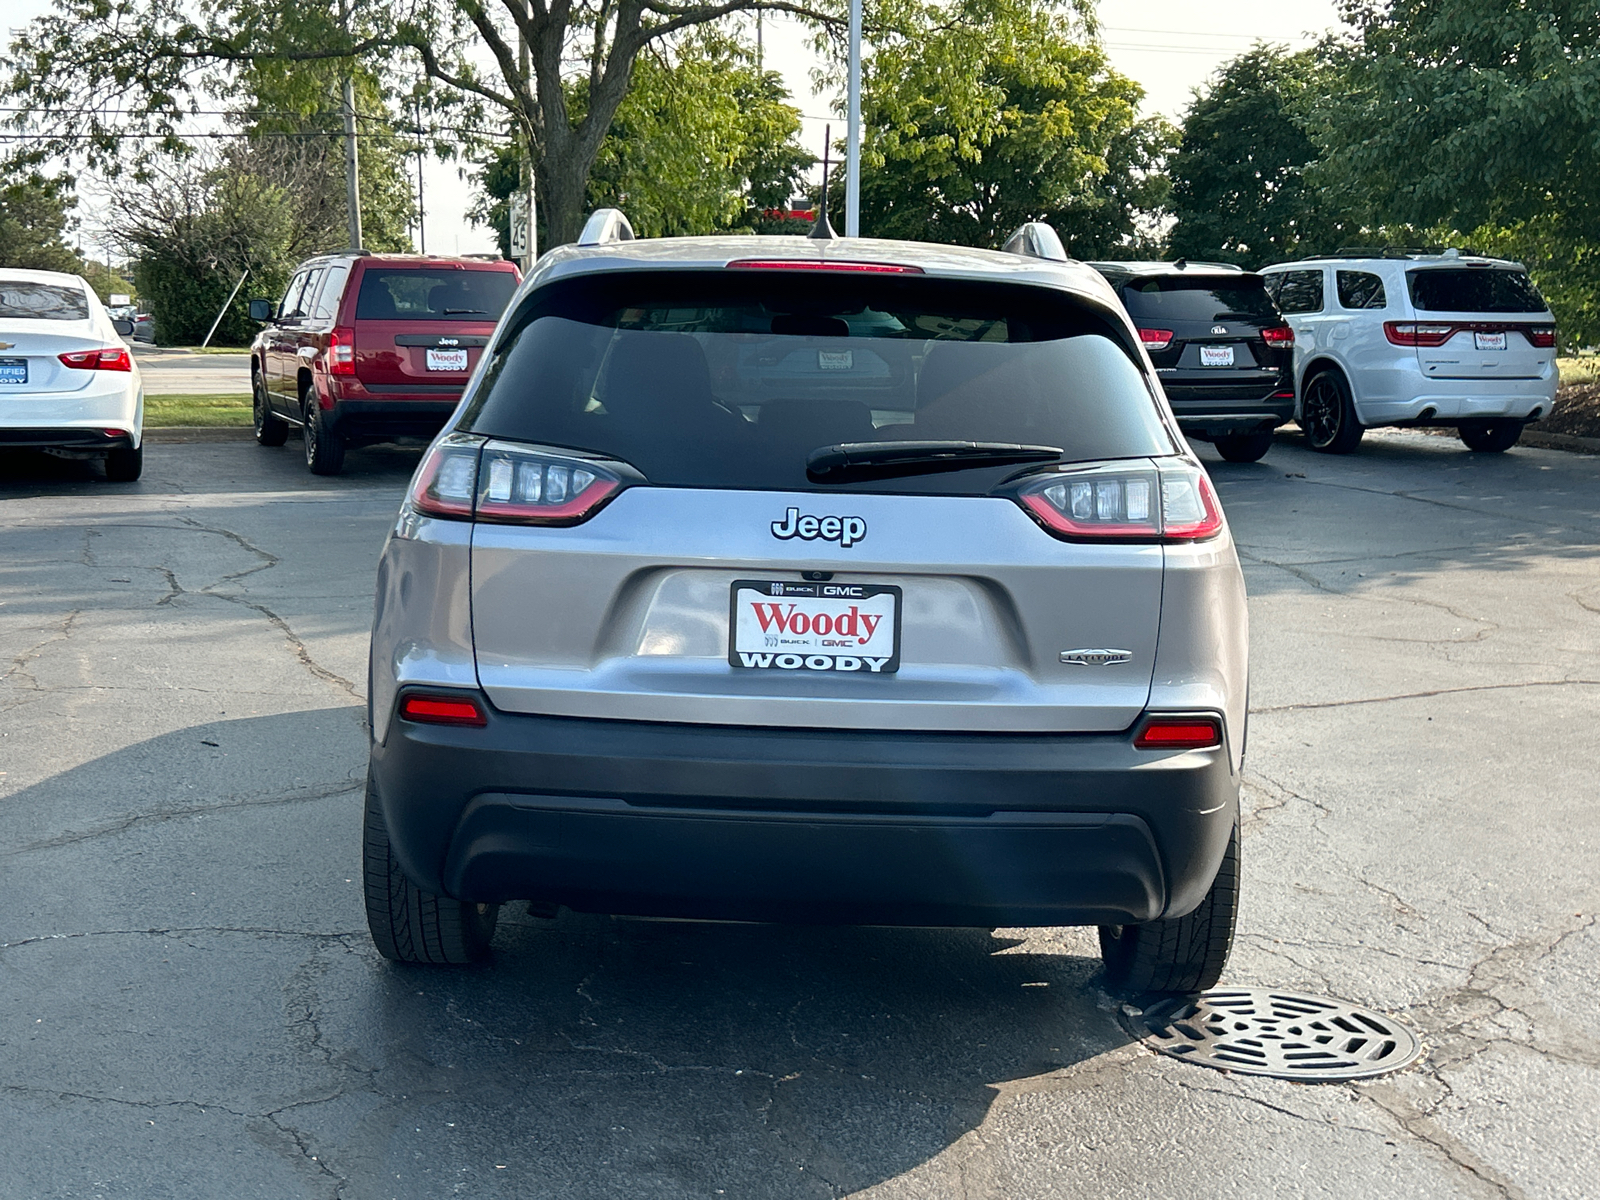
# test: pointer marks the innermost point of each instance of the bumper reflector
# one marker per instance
(1179, 733)
(442, 710)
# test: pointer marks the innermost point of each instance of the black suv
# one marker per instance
(1224, 353)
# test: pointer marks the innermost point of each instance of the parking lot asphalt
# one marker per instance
(190, 1005)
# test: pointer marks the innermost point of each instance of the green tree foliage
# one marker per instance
(1240, 186)
(1481, 116)
(34, 217)
(983, 114)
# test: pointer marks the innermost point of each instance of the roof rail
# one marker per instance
(485, 257)
(1402, 252)
(604, 226)
(1037, 240)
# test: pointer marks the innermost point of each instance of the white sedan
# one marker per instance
(68, 385)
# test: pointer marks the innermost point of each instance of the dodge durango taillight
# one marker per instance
(1155, 339)
(106, 358)
(1170, 501)
(1542, 336)
(1418, 333)
(1279, 337)
(466, 478)
(342, 351)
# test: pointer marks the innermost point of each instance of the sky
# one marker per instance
(1170, 47)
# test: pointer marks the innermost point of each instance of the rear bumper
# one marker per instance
(1218, 418)
(392, 417)
(851, 827)
(66, 438)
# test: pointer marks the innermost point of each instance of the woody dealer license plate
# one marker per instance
(781, 626)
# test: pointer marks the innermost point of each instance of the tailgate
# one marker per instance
(628, 615)
(1480, 349)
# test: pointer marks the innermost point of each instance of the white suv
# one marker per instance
(1407, 337)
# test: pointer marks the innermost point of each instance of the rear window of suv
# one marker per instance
(732, 378)
(1474, 290)
(415, 294)
(1198, 298)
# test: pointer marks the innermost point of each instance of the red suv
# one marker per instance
(369, 347)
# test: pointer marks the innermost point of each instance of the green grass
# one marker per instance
(197, 410)
(1580, 370)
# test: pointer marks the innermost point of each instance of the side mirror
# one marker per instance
(261, 310)
(123, 326)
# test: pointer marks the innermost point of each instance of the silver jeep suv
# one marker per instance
(792, 579)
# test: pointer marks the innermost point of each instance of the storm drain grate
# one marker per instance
(1286, 1035)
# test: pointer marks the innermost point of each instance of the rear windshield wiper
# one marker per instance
(456, 312)
(876, 460)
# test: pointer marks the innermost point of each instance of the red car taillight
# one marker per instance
(465, 478)
(108, 358)
(442, 710)
(1155, 339)
(1542, 336)
(342, 351)
(1279, 337)
(1418, 333)
(1170, 502)
(1179, 733)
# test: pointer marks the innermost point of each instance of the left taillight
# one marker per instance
(106, 358)
(466, 478)
(342, 351)
(1144, 501)
(427, 709)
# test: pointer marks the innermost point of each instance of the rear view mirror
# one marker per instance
(123, 326)
(261, 310)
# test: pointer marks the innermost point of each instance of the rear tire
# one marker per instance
(408, 924)
(125, 466)
(1245, 447)
(324, 448)
(1328, 414)
(1182, 955)
(271, 430)
(1490, 436)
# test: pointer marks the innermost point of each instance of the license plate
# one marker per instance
(781, 626)
(447, 360)
(1489, 341)
(13, 370)
(1216, 356)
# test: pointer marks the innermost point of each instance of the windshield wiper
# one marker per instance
(877, 460)
(454, 312)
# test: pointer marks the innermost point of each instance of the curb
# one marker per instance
(1560, 441)
(170, 434)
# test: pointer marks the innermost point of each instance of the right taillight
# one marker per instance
(1279, 337)
(1155, 339)
(1179, 733)
(1542, 336)
(467, 478)
(1147, 501)
(1418, 333)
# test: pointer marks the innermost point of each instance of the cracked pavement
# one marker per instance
(190, 1005)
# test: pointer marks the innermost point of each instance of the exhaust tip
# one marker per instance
(1536, 414)
(1427, 414)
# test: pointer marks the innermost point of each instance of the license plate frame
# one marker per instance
(1216, 356)
(776, 646)
(13, 372)
(438, 359)
(1488, 341)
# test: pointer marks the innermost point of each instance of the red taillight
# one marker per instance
(1279, 337)
(1418, 333)
(464, 478)
(811, 264)
(442, 710)
(1542, 336)
(108, 358)
(1120, 502)
(342, 351)
(1179, 733)
(1155, 339)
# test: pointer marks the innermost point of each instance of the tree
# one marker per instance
(1240, 186)
(984, 114)
(34, 221)
(1481, 116)
(94, 67)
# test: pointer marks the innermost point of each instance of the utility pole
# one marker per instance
(529, 200)
(852, 181)
(422, 233)
(352, 162)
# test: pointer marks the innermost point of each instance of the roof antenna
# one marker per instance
(821, 229)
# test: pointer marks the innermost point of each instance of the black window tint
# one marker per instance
(410, 294)
(1197, 298)
(1473, 290)
(291, 296)
(1300, 291)
(300, 306)
(332, 286)
(731, 379)
(1360, 289)
(43, 301)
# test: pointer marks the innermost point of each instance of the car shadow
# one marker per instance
(214, 872)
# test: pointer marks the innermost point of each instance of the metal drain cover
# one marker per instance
(1286, 1035)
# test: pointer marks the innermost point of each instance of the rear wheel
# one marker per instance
(1490, 436)
(125, 466)
(408, 924)
(1186, 954)
(1245, 447)
(271, 430)
(1328, 415)
(324, 448)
